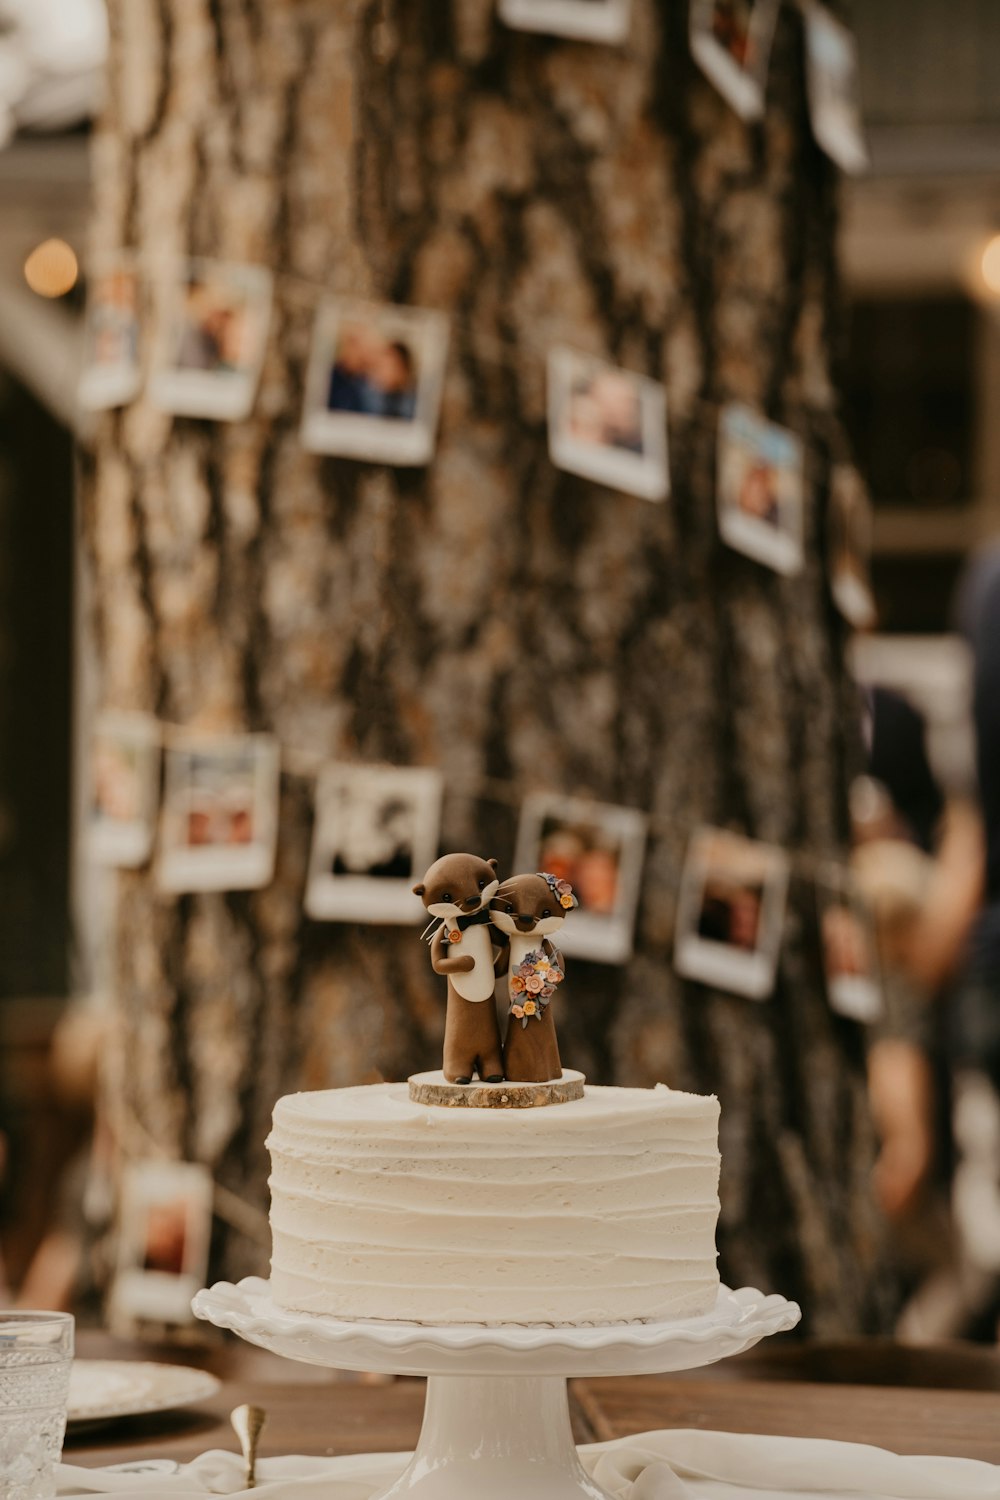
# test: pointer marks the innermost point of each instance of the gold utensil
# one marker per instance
(247, 1423)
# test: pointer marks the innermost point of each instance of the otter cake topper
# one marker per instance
(483, 929)
(457, 889)
(527, 909)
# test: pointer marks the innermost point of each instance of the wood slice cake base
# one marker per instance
(434, 1088)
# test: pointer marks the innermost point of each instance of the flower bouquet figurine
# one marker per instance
(527, 909)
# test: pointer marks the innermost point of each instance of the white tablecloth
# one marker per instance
(674, 1465)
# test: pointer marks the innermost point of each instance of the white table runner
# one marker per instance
(673, 1465)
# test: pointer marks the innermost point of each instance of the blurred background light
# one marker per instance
(51, 269)
(990, 265)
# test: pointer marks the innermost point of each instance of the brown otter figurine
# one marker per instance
(457, 888)
(528, 908)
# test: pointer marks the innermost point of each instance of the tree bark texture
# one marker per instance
(488, 614)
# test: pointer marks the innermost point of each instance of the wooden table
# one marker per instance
(944, 1401)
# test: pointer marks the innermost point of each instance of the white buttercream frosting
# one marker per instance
(603, 1210)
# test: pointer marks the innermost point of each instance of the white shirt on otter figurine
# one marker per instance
(477, 983)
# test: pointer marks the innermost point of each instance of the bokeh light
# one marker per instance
(51, 269)
(990, 265)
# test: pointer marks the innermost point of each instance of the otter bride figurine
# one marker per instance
(527, 909)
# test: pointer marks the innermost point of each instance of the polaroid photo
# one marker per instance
(124, 789)
(373, 388)
(582, 20)
(850, 953)
(833, 83)
(112, 369)
(607, 424)
(207, 360)
(163, 1242)
(760, 488)
(731, 43)
(219, 821)
(599, 849)
(849, 545)
(730, 912)
(376, 831)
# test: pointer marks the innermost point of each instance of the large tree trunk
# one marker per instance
(539, 191)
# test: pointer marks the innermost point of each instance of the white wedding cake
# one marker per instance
(602, 1210)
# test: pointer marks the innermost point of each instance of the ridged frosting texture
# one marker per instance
(599, 1211)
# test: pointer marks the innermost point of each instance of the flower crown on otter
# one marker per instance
(561, 889)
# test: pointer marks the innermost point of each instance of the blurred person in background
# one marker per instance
(918, 859)
(5, 1292)
(976, 1025)
(60, 1274)
(975, 1017)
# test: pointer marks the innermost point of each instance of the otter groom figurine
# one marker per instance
(528, 908)
(458, 889)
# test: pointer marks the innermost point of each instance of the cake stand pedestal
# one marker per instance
(496, 1421)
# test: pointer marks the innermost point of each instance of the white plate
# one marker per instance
(100, 1389)
(738, 1320)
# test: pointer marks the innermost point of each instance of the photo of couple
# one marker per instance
(730, 912)
(373, 387)
(376, 830)
(834, 89)
(124, 786)
(373, 374)
(731, 42)
(760, 488)
(599, 848)
(604, 408)
(220, 805)
(166, 1224)
(208, 358)
(111, 374)
(212, 335)
(607, 424)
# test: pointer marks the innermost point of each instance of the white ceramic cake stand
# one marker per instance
(496, 1421)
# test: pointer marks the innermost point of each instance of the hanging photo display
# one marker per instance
(847, 937)
(599, 849)
(208, 358)
(760, 488)
(584, 20)
(377, 828)
(849, 542)
(376, 831)
(730, 912)
(373, 389)
(834, 88)
(731, 42)
(165, 1229)
(607, 424)
(124, 788)
(219, 823)
(112, 372)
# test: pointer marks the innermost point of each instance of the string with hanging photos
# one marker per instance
(730, 40)
(375, 376)
(373, 392)
(376, 827)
